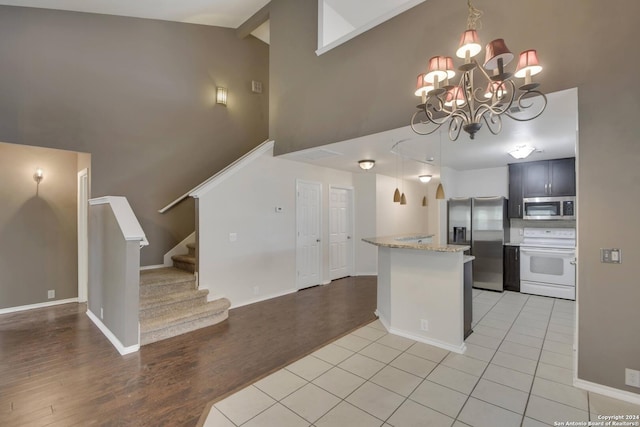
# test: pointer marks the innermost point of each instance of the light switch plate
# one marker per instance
(611, 255)
(256, 86)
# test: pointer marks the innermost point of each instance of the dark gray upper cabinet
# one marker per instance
(549, 178)
(515, 190)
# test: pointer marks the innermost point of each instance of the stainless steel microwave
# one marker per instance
(550, 208)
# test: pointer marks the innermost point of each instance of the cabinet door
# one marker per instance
(562, 177)
(515, 190)
(535, 179)
(511, 268)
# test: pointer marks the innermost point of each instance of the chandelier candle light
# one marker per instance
(465, 106)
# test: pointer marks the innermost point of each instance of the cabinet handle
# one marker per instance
(519, 210)
(517, 255)
(550, 192)
(318, 240)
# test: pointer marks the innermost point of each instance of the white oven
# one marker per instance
(547, 263)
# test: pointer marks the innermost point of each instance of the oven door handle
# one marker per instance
(548, 251)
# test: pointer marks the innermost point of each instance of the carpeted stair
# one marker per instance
(186, 262)
(170, 305)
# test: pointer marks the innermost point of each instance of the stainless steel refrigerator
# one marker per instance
(481, 223)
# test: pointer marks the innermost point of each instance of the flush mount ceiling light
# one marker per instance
(522, 151)
(366, 164)
(470, 102)
(424, 178)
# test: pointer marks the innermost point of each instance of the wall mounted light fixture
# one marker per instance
(366, 164)
(221, 95)
(38, 175)
(424, 178)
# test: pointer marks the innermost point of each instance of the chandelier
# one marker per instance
(466, 105)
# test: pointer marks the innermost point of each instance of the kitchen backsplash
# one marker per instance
(517, 225)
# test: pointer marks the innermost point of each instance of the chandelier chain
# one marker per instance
(473, 20)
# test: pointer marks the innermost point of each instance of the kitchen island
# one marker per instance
(421, 289)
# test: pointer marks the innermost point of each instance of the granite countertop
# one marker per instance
(467, 258)
(405, 242)
(512, 244)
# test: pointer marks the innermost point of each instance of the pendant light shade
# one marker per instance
(403, 199)
(396, 196)
(440, 192)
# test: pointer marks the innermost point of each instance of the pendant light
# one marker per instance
(403, 199)
(440, 189)
(396, 194)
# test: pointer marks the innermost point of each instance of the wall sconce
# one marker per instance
(424, 178)
(221, 95)
(38, 175)
(366, 164)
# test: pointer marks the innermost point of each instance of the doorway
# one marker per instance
(308, 232)
(340, 232)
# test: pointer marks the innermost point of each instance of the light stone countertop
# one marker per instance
(467, 258)
(401, 242)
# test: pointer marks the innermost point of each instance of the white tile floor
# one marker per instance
(517, 371)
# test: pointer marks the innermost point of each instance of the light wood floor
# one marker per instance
(57, 369)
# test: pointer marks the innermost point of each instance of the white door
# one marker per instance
(83, 242)
(308, 229)
(340, 232)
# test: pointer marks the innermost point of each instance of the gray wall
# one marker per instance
(367, 84)
(114, 275)
(138, 95)
(38, 239)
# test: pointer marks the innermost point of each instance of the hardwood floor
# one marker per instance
(57, 369)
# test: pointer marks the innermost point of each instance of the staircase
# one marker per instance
(171, 304)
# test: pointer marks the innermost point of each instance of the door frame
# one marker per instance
(320, 233)
(83, 235)
(352, 224)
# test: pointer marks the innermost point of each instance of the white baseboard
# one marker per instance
(456, 349)
(264, 298)
(153, 267)
(364, 273)
(326, 282)
(38, 305)
(604, 390)
(111, 337)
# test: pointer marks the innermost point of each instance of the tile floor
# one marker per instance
(517, 371)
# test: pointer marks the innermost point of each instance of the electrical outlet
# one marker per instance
(256, 290)
(233, 237)
(51, 293)
(611, 256)
(632, 377)
(424, 324)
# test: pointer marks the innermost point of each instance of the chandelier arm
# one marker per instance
(526, 107)
(493, 121)
(455, 127)
(421, 122)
